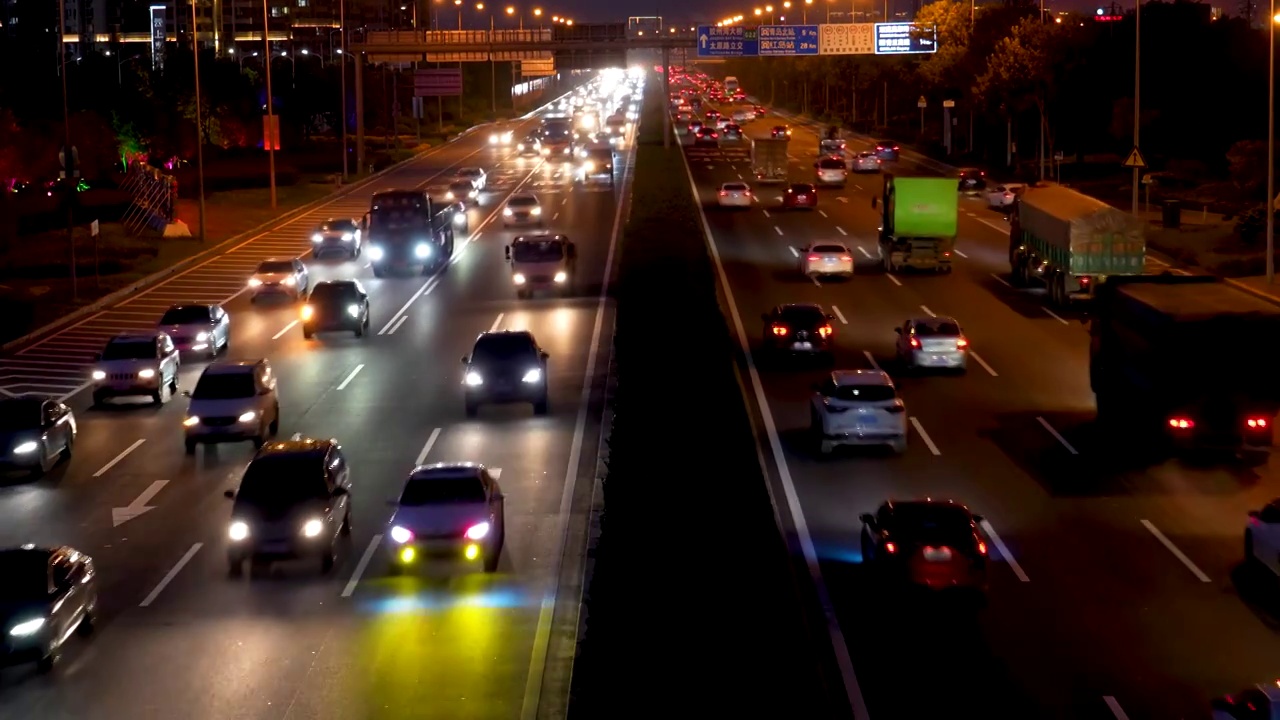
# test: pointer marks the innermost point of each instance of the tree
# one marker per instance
(948, 68)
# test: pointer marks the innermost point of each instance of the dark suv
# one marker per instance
(797, 328)
(505, 367)
(293, 502)
(340, 305)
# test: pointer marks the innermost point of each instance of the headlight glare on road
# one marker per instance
(561, 276)
(201, 337)
(146, 373)
(99, 375)
(533, 375)
(376, 253)
(474, 379)
(422, 251)
(26, 447)
(191, 421)
(353, 310)
(247, 417)
(401, 535)
(518, 278)
(238, 531)
(27, 627)
(313, 527)
(317, 238)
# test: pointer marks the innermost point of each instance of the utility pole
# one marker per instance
(1137, 90)
(69, 155)
(195, 53)
(271, 135)
(342, 62)
(1271, 145)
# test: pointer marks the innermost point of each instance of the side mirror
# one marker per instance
(186, 393)
(875, 202)
(340, 491)
(867, 518)
(229, 494)
(466, 359)
(898, 330)
(507, 251)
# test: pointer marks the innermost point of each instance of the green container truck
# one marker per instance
(919, 218)
(1071, 243)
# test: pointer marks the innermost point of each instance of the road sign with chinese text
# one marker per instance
(847, 39)
(775, 40)
(905, 38)
(733, 41)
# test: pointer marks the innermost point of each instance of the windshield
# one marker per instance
(828, 249)
(393, 218)
(439, 490)
(735, 187)
(802, 316)
(937, 328)
(26, 576)
(333, 292)
(523, 201)
(337, 226)
(402, 201)
(603, 157)
(19, 415)
(224, 386)
(274, 267)
(861, 393)
(275, 483)
(186, 315)
(932, 524)
(141, 350)
(831, 164)
(801, 188)
(503, 347)
(537, 251)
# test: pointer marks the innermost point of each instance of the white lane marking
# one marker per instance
(103, 470)
(1004, 551)
(859, 187)
(927, 311)
(865, 253)
(1114, 706)
(1001, 280)
(286, 329)
(841, 230)
(895, 280)
(397, 325)
(739, 176)
(871, 359)
(1045, 424)
(426, 449)
(824, 215)
(794, 252)
(1054, 315)
(839, 314)
(928, 441)
(1003, 230)
(555, 217)
(564, 201)
(777, 229)
(814, 278)
(396, 319)
(844, 199)
(139, 506)
(766, 212)
(497, 323)
(347, 381)
(361, 566)
(1168, 544)
(990, 370)
(961, 254)
(474, 237)
(173, 573)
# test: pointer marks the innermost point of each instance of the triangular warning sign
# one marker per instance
(1135, 160)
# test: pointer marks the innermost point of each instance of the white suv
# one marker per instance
(136, 364)
(232, 402)
(858, 407)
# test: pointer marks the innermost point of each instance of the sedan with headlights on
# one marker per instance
(505, 366)
(522, 208)
(337, 236)
(35, 433)
(279, 277)
(47, 595)
(198, 328)
(462, 192)
(826, 258)
(501, 137)
(449, 511)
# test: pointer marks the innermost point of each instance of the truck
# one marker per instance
(769, 159)
(918, 222)
(542, 262)
(1071, 243)
(557, 138)
(1174, 358)
(405, 229)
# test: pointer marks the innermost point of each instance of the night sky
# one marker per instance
(673, 10)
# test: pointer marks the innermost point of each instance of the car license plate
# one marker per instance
(275, 547)
(933, 554)
(802, 346)
(830, 260)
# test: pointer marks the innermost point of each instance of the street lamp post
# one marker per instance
(537, 12)
(1137, 90)
(786, 6)
(195, 52)
(1271, 145)
(493, 79)
(269, 137)
(458, 4)
(342, 72)
(511, 12)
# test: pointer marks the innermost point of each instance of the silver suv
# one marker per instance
(136, 363)
(232, 402)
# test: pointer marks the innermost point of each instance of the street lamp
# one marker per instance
(120, 64)
(786, 5)
(511, 11)
(769, 9)
(1271, 145)
(805, 17)
(458, 4)
(537, 12)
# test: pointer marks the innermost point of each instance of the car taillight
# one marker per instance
(982, 548)
(846, 258)
(961, 342)
(825, 331)
(1257, 423)
(814, 258)
(1084, 280)
(780, 330)
(723, 193)
(895, 147)
(915, 343)
(896, 408)
(1181, 423)
(890, 548)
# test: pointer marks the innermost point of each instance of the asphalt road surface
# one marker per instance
(1116, 590)
(179, 639)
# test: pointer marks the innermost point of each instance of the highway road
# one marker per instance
(179, 639)
(1117, 591)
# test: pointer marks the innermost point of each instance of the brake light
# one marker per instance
(915, 343)
(723, 193)
(890, 548)
(846, 258)
(814, 258)
(1181, 423)
(982, 548)
(961, 342)
(895, 147)
(780, 330)
(825, 331)
(1084, 280)
(1257, 423)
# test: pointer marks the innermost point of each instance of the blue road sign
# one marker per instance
(788, 40)
(905, 38)
(733, 41)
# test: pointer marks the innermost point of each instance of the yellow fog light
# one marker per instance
(406, 555)
(472, 552)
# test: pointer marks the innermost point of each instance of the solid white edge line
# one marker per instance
(496, 323)
(173, 573)
(352, 376)
(1054, 315)
(927, 311)
(286, 329)
(1004, 551)
(125, 453)
(961, 254)
(842, 232)
(361, 566)
(844, 660)
(1054, 432)
(928, 441)
(426, 449)
(1114, 706)
(1000, 280)
(871, 359)
(396, 327)
(990, 370)
(895, 280)
(1168, 544)
(839, 315)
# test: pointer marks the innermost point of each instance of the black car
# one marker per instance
(506, 366)
(781, 131)
(732, 131)
(35, 433)
(341, 305)
(972, 180)
(887, 150)
(46, 595)
(798, 328)
(936, 544)
(293, 502)
(706, 137)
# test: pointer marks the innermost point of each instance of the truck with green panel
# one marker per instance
(919, 218)
(1070, 243)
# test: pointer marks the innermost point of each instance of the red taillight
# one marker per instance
(890, 548)
(723, 193)
(746, 192)
(982, 548)
(1257, 423)
(895, 147)
(1181, 423)
(961, 342)
(814, 258)
(846, 258)
(1084, 280)
(825, 331)
(915, 343)
(780, 330)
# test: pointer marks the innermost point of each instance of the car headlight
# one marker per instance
(348, 237)
(146, 373)
(307, 312)
(561, 276)
(313, 527)
(506, 212)
(247, 417)
(536, 211)
(474, 379)
(99, 375)
(520, 147)
(506, 137)
(375, 253)
(518, 278)
(460, 218)
(353, 310)
(27, 627)
(478, 531)
(291, 281)
(533, 376)
(26, 447)
(422, 250)
(473, 194)
(254, 282)
(493, 139)
(202, 336)
(449, 195)
(589, 167)
(191, 421)
(238, 531)
(317, 238)
(401, 535)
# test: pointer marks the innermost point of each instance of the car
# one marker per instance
(832, 146)
(866, 161)
(463, 193)
(706, 137)
(800, 195)
(449, 510)
(505, 366)
(1259, 702)
(336, 236)
(477, 176)
(684, 118)
(731, 131)
(293, 502)
(831, 170)
(826, 258)
(734, 195)
(341, 305)
(233, 401)
(1004, 196)
(798, 328)
(48, 595)
(887, 150)
(531, 146)
(695, 126)
(279, 277)
(759, 111)
(932, 342)
(858, 408)
(542, 262)
(35, 433)
(203, 328)
(722, 123)
(933, 544)
(780, 131)
(972, 180)
(501, 137)
(742, 116)
(522, 208)
(711, 117)
(136, 363)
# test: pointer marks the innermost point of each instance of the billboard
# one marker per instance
(437, 82)
(847, 39)
(157, 36)
(905, 38)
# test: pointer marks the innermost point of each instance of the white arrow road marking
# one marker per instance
(139, 506)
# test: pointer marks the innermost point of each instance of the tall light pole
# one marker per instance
(1271, 145)
(1137, 90)
(537, 12)
(511, 12)
(195, 53)
(269, 137)
(342, 71)
(458, 4)
(493, 77)
(69, 156)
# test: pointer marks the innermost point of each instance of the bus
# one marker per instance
(730, 85)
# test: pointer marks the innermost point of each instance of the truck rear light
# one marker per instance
(1257, 423)
(1084, 279)
(1181, 423)
(825, 331)
(780, 330)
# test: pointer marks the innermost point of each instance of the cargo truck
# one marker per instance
(919, 216)
(1071, 243)
(405, 229)
(1184, 359)
(769, 159)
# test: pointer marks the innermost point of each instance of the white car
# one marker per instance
(233, 401)
(476, 175)
(522, 208)
(723, 121)
(858, 407)
(831, 170)
(932, 342)
(1002, 196)
(203, 328)
(279, 277)
(866, 161)
(452, 511)
(735, 195)
(826, 258)
(136, 363)
(741, 116)
(501, 138)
